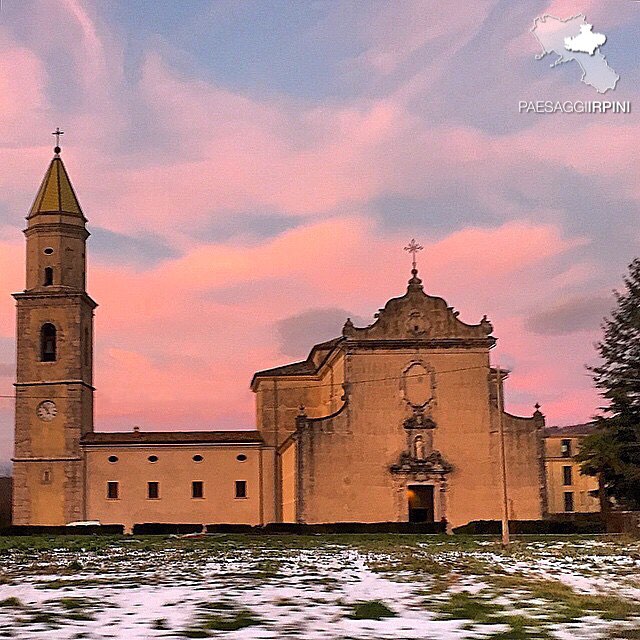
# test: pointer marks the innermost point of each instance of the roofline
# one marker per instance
(571, 430)
(265, 373)
(159, 438)
(196, 444)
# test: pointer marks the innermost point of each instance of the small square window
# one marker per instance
(112, 490)
(153, 490)
(197, 489)
(241, 488)
(567, 476)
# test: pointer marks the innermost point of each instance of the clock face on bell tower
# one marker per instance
(54, 383)
(47, 410)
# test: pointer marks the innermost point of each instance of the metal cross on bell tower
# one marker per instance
(57, 133)
(413, 247)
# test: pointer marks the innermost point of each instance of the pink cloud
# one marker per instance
(164, 329)
(596, 11)
(12, 273)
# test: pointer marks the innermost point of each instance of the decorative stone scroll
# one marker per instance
(417, 316)
(433, 466)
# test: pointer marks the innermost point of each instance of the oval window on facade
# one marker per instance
(152, 458)
(241, 457)
(198, 458)
(48, 251)
(113, 458)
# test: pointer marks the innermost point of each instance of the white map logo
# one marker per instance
(573, 39)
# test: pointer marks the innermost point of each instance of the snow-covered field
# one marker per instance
(342, 587)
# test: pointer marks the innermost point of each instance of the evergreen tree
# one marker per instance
(613, 452)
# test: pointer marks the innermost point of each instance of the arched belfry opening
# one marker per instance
(48, 276)
(48, 343)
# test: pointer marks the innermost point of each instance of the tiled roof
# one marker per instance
(173, 437)
(572, 430)
(294, 369)
(56, 193)
(304, 367)
(328, 345)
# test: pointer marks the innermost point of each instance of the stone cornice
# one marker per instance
(48, 459)
(422, 343)
(57, 227)
(60, 293)
(40, 383)
(193, 444)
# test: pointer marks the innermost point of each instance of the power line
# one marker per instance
(325, 385)
(316, 386)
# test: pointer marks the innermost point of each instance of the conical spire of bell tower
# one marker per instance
(56, 195)
(56, 232)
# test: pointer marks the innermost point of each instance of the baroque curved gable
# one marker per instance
(418, 316)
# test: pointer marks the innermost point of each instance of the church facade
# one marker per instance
(396, 421)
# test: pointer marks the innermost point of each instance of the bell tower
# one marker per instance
(54, 379)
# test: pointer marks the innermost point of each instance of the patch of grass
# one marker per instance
(219, 616)
(288, 602)
(465, 606)
(572, 605)
(521, 628)
(217, 606)
(75, 603)
(161, 624)
(80, 609)
(48, 618)
(239, 620)
(81, 616)
(482, 611)
(62, 583)
(564, 603)
(12, 603)
(268, 567)
(416, 563)
(195, 633)
(371, 610)
(628, 633)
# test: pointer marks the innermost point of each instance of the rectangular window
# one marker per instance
(197, 489)
(112, 490)
(241, 488)
(565, 448)
(153, 490)
(568, 500)
(567, 478)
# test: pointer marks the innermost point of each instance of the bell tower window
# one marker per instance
(48, 343)
(48, 276)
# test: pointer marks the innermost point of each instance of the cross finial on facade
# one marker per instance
(57, 133)
(413, 247)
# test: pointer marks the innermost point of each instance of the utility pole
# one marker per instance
(503, 462)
